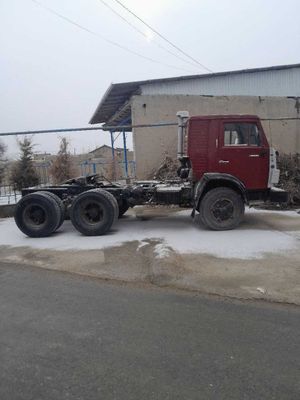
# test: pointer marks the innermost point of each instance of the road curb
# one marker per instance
(169, 272)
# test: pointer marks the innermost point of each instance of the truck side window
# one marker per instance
(254, 138)
(241, 134)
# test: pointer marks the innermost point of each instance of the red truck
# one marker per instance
(225, 163)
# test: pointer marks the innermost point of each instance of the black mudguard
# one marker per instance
(220, 180)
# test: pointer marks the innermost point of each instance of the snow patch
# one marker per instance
(176, 231)
(162, 251)
(288, 213)
(142, 244)
(261, 290)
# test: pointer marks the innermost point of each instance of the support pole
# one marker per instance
(112, 145)
(125, 154)
(113, 155)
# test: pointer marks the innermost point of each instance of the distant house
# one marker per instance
(105, 152)
(42, 163)
(43, 156)
(100, 161)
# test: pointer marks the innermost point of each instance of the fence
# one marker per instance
(8, 195)
(114, 171)
(42, 170)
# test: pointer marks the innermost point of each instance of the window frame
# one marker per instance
(242, 145)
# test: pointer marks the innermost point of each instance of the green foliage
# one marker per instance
(23, 173)
(61, 169)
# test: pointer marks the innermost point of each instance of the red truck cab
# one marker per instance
(232, 144)
(229, 162)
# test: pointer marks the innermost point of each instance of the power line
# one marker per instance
(163, 37)
(70, 21)
(145, 35)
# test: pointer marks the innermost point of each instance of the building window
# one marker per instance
(241, 134)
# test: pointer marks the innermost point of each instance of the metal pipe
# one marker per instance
(99, 128)
(117, 128)
(182, 117)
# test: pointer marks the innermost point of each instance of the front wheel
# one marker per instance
(221, 209)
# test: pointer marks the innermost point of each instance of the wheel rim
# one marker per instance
(34, 215)
(222, 210)
(91, 212)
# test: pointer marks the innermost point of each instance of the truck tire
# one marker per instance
(60, 205)
(112, 198)
(93, 212)
(37, 215)
(221, 209)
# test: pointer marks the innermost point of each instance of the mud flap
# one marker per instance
(278, 196)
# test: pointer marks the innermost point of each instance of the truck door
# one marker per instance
(243, 152)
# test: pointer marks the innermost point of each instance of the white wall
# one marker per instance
(152, 144)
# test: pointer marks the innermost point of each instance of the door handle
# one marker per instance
(223, 162)
(253, 155)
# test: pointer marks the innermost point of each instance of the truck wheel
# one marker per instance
(37, 215)
(110, 197)
(93, 212)
(123, 208)
(221, 209)
(60, 205)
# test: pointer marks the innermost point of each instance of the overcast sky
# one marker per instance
(53, 74)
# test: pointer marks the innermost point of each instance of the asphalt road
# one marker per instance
(63, 336)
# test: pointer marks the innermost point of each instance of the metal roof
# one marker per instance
(115, 104)
(114, 98)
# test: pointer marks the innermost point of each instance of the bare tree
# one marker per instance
(61, 168)
(23, 173)
(289, 166)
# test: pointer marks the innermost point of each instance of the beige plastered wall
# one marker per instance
(151, 145)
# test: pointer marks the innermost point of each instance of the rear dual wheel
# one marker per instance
(39, 214)
(61, 206)
(93, 212)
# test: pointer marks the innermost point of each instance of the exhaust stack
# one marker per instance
(182, 117)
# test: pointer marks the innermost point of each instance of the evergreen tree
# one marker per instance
(23, 173)
(61, 169)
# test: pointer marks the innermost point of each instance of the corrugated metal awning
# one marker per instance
(113, 101)
(115, 107)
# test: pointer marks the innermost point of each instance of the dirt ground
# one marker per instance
(270, 275)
